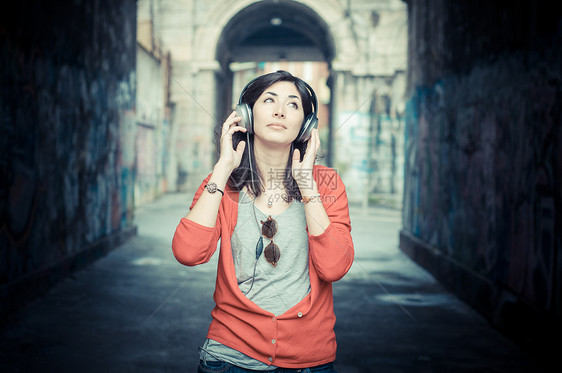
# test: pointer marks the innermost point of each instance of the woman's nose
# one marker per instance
(279, 113)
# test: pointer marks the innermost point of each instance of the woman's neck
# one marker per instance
(272, 162)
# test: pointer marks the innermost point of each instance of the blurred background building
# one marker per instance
(194, 57)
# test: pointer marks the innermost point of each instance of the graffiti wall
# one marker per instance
(68, 117)
(483, 182)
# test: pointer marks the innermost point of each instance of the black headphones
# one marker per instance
(309, 123)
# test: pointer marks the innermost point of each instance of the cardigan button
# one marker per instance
(270, 359)
(299, 314)
(273, 341)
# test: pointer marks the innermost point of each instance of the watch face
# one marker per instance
(212, 187)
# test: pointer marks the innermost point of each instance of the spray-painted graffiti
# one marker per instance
(66, 175)
(482, 178)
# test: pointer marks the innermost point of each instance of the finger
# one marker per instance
(229, 132)
(230, 129)
(232, 118)
(314, 140)
(318, 142)
(240, 147)
(232, 121)
(296, 156)
(309, 146)
(236, 129)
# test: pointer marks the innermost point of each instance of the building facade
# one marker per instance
(359, 46)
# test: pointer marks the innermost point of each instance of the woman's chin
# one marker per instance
(276, 140)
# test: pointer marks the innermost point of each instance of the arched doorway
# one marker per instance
(363, 50)
(267, 36)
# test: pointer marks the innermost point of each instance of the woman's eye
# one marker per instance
(269, 99)
(294, 105)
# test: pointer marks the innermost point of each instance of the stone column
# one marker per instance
(351, 132)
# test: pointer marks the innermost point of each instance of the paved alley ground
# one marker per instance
(138, 310)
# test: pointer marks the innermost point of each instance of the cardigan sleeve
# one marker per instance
(332, 252)
(194, 243)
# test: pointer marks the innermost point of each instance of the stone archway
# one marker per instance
(248, 32)
(364, 51)
(328, 12)
(274, 31)
(270, 31)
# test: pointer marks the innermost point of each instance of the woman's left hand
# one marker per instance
(302, 171)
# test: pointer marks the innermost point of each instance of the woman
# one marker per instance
(285, 235)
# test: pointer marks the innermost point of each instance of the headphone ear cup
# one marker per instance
(244, 112)
(310, 123)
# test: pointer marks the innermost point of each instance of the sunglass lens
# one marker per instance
(269, 228)
(272, 253)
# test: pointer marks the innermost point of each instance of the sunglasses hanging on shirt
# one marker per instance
(272, 251)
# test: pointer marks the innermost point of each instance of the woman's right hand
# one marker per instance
(229, 157)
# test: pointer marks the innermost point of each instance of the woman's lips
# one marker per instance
(277, 125)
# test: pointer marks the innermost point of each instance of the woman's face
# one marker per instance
(278, 113)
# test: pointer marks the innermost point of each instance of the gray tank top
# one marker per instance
(275, 289)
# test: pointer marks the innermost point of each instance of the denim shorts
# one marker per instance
(222, 367)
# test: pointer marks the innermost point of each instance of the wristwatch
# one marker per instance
(212, 188)
(305, 199)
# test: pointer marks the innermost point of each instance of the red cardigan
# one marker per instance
(304, 335)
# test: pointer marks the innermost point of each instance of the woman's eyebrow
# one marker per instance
(276, 95)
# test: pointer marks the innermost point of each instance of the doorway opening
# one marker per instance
(269, 36)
